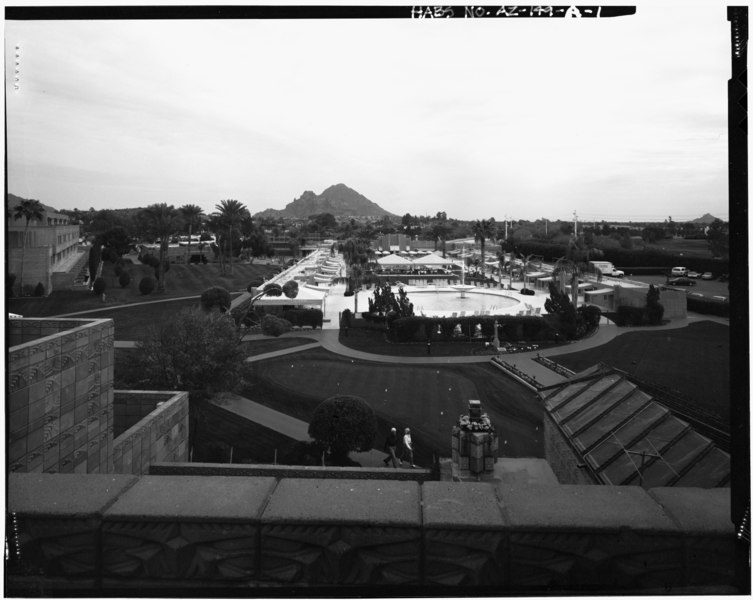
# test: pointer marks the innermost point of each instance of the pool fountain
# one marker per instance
(462, 287)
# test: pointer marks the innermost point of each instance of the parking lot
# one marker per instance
(702, 287)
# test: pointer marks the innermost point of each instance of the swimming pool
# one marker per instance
(442, 303)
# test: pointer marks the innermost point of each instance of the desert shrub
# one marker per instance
(343, 424)
(124, 279)
(150, 260)
(304, 317)
(39, 290)
(146, 285)
(99, 287)
(274, 326)
(215, 296)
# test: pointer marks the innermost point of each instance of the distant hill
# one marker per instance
(706, 219)
(338, 200)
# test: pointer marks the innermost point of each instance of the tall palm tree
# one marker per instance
(192, 216)
(232, 213)
(483, 230)
(162, 221)
(31, 210)
(574, 265)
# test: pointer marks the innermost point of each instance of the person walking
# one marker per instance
(406, 450)
(428, 346)
(390, 447)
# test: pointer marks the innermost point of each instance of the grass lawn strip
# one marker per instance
(693, 360)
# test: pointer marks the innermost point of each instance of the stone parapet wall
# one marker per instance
(198, 534)
(288, 471)
(59, 405)
(146, 433)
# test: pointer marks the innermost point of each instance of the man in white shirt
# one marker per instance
(406, 451)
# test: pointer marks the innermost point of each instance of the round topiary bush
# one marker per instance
(99, 287)
(146, 285)
(344, 424)
(124, 279)
(215, 296)
(39, 290)
(274, 326)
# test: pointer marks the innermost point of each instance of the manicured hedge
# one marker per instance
(304, 317)
(631, 316)
(708, 306)
(511, 328)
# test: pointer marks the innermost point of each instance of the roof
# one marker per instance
(625, 437)
(393, 259)
(306, 297)
(432, 259)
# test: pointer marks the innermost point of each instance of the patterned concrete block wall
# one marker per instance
(60, 395)
(189, 534)
(161, 435)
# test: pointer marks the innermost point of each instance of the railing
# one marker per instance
(516, 373)
(556, 367)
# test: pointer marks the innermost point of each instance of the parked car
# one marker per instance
(708, 276)
(681, 281)
(679, 272)
(694, 274)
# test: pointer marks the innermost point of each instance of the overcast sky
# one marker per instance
(617, 119)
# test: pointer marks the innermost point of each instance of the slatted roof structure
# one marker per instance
(625, 437)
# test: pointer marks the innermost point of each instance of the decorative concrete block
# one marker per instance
(186, 530)
(567, 537)
(343, 532)
(56, 520)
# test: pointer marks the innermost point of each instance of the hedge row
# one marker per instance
(707, 306)
(511, 328)
(304, 317)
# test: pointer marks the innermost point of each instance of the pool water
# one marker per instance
(444, 303)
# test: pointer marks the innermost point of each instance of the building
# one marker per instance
(64, 415)
(52, 255)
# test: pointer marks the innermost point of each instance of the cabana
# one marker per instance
(394, 261)
(432, 259)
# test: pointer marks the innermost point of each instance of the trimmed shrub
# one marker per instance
(708, 306)
(215, 296)
(591, 316)
(146, 285)
(99, 287)
(124, 279)
(344, 424)
(631, 316)
(346, 318)
(304, 317)
(463, 329)
(274, 326)
(39, 290)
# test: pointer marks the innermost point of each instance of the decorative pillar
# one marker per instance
(475, 445)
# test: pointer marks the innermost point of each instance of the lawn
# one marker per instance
(693, 360)
(181, 280)
(428, 399)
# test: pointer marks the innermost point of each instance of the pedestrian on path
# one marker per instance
(428, 346)
(406, 450)
(390, 447)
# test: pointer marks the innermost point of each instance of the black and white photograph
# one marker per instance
(376, 300)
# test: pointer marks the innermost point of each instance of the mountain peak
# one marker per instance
(339, 200)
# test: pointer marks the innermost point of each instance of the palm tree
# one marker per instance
(31, 210)
(574, 265)
(161, 220)
(232, 213)
(192, 216)
(483, 230)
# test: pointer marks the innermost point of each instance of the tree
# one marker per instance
(718, 238)
(240, 313)
(161, 220)
(191, 216)
(355, 253)
(192, 351)
(654, 308)
(231, 213)
(483, 230)
(559, 304)
(215, 296)
(117, 241)
(31, 210)
(146, 285)
(343, 424)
